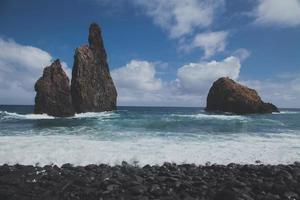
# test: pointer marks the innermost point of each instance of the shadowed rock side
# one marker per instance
(92, 87)
(228, 96)
(53, 95)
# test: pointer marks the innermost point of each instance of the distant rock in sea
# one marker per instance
(92, 87)
(53, 94)
(228, 96)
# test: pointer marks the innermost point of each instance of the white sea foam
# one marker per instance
(8, 115)
(212, 116)
(286, 112)
(95, 115)
(11, 115)
(83, 150)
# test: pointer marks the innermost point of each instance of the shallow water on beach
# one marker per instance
(148, 135)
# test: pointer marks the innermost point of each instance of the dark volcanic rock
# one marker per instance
(92, 87)
(53, 95)
(228, 96)
(169, 181)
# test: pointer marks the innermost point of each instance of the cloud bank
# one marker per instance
(284, 13)
(198, 77)
(190, 22)
(137, 81)
(185, 19)
(137, 75)
(193, 81)
(138, 84)
(20, 67)
(211, 42)
(181, 17)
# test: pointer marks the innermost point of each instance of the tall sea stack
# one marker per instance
(92, 87)
(53, 95)
(228, 96)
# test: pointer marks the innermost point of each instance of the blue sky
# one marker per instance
(160, 52)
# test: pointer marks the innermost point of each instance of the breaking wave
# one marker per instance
(286, 112)
(12, 115)
(95, 115)
(149, 136)
(212, 116)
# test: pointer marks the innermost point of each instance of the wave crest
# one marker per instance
(12, 115)
(211, 116)
(95, 114)
(286, 112)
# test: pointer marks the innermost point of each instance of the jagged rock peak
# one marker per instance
(53, 93)
(226, 95)
(96, 41)
(92, 87)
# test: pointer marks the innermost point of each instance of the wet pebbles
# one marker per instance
(169, 181)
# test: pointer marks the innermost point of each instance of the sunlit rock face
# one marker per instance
(92, 87)
(226, 95)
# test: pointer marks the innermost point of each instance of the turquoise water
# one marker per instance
(148, 135)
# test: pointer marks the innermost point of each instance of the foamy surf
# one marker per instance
(149, 136)
(95, 115)
(11, 115)
(82, 150)
(212, 116)
(286, 112)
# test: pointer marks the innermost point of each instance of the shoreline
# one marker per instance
(167, 181)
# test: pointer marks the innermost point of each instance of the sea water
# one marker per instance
(148, 135)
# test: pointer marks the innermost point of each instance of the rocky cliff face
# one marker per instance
(53, 94)
(92, 87)
(228, 96)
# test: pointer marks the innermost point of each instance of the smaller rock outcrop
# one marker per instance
(228, 96)
(53, 93)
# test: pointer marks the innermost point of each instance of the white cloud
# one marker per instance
(182, 20)
(211, 42)
(21, 64)
(136, 83)
(181, 17)
(15, 95)
(284, 92)
(137, 75)
(241, 54)
(20, 67)
(285, 13)
(198, 77)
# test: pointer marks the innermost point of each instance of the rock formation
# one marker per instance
(92, 87)
(228, 96)
(53, 95)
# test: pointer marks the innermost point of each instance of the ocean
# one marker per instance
(148, 135)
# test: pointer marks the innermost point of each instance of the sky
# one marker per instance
(160, 52)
